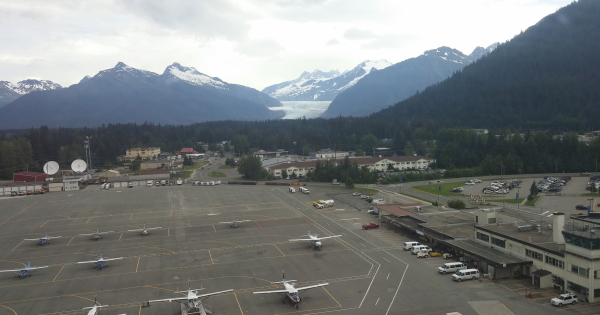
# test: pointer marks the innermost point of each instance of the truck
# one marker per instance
(163, 182)
(335, 182)
(325, 204)
(130, 185)
(318, 202)
(292, 189)
(179, 181)
(149, 183)
(370, 225)
(304, 190)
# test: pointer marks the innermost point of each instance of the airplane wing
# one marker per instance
(32, 239)
(326, 237)
(181, 299)
(214, 293)
(88, 262)
(272, 291)
(16, 270)
(41, 267)
(154, 228)
(301, 239)
(312, 286)
(227, 222)
(51, 237)
(109, 259)
(138, 230)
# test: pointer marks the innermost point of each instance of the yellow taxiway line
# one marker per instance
(58, 273)
(279, 250)
(238, 302)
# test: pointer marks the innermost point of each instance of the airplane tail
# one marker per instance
(283, 276)
(28, 264)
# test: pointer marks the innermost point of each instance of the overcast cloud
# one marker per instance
(251, 42)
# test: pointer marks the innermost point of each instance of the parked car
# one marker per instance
(435, 254)
(13, 193)
(356, 193)
(457, 190)
(563, 299)
(423, 254)
(580, 207)
(469, 183)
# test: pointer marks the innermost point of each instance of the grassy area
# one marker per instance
(532, 202)
(415, 197)
(225, 167)
(433, 189)
(590, 195)
(509, 200)
(217, 174)
(366, 191)
(187, 171)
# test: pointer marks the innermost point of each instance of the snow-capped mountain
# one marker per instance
(10, 92)
(322, 86)
(379, 89)
(123, 94)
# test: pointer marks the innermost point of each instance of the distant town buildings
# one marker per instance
(145, 153)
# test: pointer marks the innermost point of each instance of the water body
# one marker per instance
(299, 109)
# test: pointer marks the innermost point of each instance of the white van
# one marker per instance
(409, 245)
(420, 248)
(466, 274)
(292, 189)
(304, 190)
(451, 267)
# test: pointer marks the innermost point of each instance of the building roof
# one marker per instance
(188, 150)
(542, 241)
(358, 160)
(493, 256)
(397, 210)
(541, 273)
(145, 148)
(30, 174)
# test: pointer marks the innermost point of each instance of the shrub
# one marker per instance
(456, 204)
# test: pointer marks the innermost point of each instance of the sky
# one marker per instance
(255, 43)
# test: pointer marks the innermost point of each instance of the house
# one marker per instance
(145, 153)
(269, 154)
(186, 151)
(328, 154)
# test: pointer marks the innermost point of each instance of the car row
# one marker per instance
(552, 184)
(501, 186)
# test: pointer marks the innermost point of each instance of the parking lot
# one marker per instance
(367, 271)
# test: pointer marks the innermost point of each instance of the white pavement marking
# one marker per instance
(369, 288)
(386, 259)
(388, 277)
(401, 279)
(377, 301)
(350, 219)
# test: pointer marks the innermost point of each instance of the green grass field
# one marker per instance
(532, 202)
(217, 174)
(446, 187)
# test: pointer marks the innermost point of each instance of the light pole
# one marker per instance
(591, 199)
(518, 190)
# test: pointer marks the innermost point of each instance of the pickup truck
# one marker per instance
(371, 225)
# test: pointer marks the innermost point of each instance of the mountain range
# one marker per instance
(322, 86)
(379, 89)
(123, 94)
(10, 92)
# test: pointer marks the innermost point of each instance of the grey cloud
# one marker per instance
(332, 41)
(210, 19)
(259, 47)
(356, 34)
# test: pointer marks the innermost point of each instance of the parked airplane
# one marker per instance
(98, 235)
(235, 223)
(192, 303)
(24, 272)
(42, 240)
(94, 309)
(100, 262)
(314, 239)
(290, 291)
(145, 230)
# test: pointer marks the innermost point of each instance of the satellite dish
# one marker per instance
(51, 168)
(78, 166)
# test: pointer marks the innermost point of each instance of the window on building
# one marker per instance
(534, 254)
(498, 242)
(558, 280)
(579, 270)
(555, 262)
(483, 237)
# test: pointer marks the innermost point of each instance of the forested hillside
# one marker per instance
(546, 77)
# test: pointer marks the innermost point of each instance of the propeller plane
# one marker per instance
(25, 272)
(42, 240)
(98, 235)
(145, 231)
(192, 302)
(290, 291)
(100, 262)
(314, 239)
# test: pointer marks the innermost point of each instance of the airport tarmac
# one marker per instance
(367, 271)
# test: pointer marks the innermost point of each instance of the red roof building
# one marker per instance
(29, 177)
(188, 151)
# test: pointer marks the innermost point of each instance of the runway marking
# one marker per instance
(211, 260)
(140, 312)
(18, 213)
(17, 246)
(340, 305)
(214, 228)
(397, 289)
(238, 302)
(138, 264)
(131, 216)
(258, 225)
(363, 244)
(168, 232)
(377, 300)
(279, 250)
(9, 309)
(86, 222)
(350, 219)
(369, 288)
(386, 259)
(44, 223)
(58, 273)
(18, 262)
(120, 237)
(70, 240)
(388, 277)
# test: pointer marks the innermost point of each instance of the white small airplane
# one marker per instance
(98, 235)
(42, 240)
(314, 239)
(192, 303)
(235, 223)
(24, 272)
(145, 230)
(94, 309)
(100, 262)
(290, 291)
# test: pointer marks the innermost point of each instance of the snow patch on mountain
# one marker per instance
(193, 76)
(30, 85)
